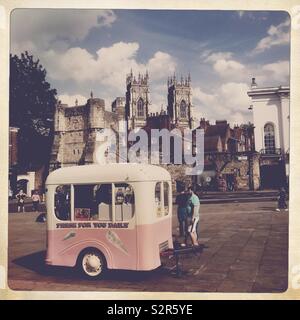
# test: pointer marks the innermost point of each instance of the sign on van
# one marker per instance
(92, 225)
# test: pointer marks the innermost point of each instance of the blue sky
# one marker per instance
(86, 50)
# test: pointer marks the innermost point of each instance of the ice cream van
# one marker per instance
(114, 216)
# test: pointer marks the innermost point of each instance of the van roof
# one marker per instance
(113, 172)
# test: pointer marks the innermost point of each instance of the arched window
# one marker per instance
(183, 113)
(140, 108)
(269, 136)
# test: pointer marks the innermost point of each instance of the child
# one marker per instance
(35, 200)
(21, 200)
(282, 200)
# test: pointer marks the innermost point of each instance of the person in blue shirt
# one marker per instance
(195, 204)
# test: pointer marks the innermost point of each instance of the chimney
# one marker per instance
(253, 83)
(203, 124)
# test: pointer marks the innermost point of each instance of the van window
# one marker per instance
(166, 198)
(158, 196)
(94, 202)
(124, 202)
(62, 202)
(162, 199)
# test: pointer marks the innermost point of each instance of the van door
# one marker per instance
(121, 233)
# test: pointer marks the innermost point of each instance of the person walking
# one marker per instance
(195, 204)
(21, 196)
(282, 200)
(35, 200)
(182, 213)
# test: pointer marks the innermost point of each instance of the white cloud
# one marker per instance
(271, 74)
(279, 71)
(214, 57)
(109, 67)
(160, 65)
(235, 95)
(229, 101)
(238, 118)
(158, 96)
(106, 71)
(277, 36)
(203, 97)
(227, 98)
(203, 102)
(228, 68)
(225, 66)
(231, 70)
(45, 27)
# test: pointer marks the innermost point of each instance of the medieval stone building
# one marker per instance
(230, 160)
(76, 129)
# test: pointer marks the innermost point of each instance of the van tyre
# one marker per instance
(92, 264)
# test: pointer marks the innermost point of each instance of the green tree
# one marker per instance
(31, 108)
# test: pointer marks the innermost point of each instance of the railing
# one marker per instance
(271, 151)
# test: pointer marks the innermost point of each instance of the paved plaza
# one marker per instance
(245, 250)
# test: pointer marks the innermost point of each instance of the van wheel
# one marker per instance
(92, 263)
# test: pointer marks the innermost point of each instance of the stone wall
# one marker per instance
(178, 174)
(241, 168)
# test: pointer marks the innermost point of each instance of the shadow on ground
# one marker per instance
(35, 262)
(267, 208)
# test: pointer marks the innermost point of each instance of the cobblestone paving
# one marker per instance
(245, 250)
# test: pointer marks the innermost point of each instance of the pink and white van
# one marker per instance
(115, 216)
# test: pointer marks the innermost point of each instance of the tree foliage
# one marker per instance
(31, 108)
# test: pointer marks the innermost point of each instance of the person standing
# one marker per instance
(182, 213)
(282, 200)
(193, 228)
(35, 200)
(222, 185)
(21, 196)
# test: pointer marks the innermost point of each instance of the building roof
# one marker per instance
(256, 91)
(211, 143)
(113, 172)
(219, 129)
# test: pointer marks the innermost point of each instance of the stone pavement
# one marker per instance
(246, 250)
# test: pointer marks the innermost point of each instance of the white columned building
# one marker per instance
(271, 119)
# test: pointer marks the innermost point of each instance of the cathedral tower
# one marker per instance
(180, 101)
(137, 100)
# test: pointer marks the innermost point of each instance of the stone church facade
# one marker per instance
(180, 102)
(137, 100)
